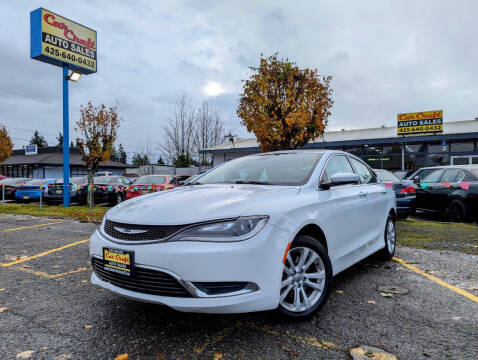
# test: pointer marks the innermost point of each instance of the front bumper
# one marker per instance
(257, 260)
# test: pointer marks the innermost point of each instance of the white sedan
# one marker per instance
(260, 232)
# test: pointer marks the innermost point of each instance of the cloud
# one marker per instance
(385, 58)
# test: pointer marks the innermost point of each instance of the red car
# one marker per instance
(152, 183)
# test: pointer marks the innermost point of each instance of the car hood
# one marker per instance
(191, 204)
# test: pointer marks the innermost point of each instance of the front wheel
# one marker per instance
(457, 211)
(390, 238)
(306, 278)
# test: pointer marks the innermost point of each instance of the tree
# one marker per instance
(60, 139)
(140, 160)
(122, 157)
(6, 145)
(38, 140)
(179, 133)
(208, 130)
(285, 106)
(98, 127)
(161, 161)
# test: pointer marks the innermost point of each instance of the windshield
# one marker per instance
(270, 169)
(151, 180)
(104, 179)
(386, 176)
(74, 180)
(38, 182)
(474, 171)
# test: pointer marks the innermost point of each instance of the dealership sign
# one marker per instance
(31, 150)
(420, 122)
(59, 41)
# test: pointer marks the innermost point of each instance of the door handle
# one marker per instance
(362, 194)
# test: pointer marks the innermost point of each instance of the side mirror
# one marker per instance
(341, 179)
(416, 180)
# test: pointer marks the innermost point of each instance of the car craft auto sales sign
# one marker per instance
(58, 41)
(420, 122)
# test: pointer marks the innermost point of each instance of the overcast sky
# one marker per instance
(386, 57)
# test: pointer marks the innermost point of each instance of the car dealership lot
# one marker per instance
(53, 310)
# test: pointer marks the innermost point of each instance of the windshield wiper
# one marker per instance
(252, 182)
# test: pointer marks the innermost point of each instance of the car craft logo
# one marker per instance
(129, 231)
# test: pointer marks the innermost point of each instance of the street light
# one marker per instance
(74, 76)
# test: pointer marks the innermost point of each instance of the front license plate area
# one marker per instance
(118, 261)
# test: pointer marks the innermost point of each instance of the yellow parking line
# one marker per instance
(32, 226)
(49, 276)
(45, 253)
(437, 280)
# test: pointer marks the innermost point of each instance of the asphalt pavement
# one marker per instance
(49, 309)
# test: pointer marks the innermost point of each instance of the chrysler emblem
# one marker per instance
(129, 231)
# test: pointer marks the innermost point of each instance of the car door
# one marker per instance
(426, 191)
(374, 204)
(440, 192)
(340, 213)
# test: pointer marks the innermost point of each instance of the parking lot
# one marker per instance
(49, 310)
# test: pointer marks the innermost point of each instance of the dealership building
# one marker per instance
(382, 147)
(47, 162)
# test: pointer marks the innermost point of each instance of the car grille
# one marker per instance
(151, 232)
(142, 280)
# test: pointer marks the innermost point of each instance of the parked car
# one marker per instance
(260, 232)
(32, 189)
(421, 173)
(55, 190)
(451, 190)
(404, 192)
(10, 185)
(2, 177)
(147, 184)
(110, 189)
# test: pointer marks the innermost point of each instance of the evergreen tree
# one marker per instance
(122, 157)
(38, 140)
(60, 139)
(160, 161)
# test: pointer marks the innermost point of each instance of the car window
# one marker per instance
(460, 176)
(424, 173)
(366, 176)
(434, 177)
(449, 175)
(287, 168)
(336, 164)
(386, 176)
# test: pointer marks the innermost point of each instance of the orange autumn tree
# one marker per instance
(285, 106)
(6, 145)
(98, 127)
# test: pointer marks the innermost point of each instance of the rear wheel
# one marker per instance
(390, 238)
(119, 198)
(457, 211)
(306, 278)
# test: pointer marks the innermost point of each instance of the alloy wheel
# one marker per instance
(303, 279)
(391, 236)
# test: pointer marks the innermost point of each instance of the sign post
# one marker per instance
(61, 42)
(66, 140)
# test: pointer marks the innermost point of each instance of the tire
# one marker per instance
(118, 198)
(457, 211)
(390, 239)
(316, 294)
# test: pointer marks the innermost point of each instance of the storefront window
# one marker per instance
(415, 147)
(356, 150)
(372, 149)
(438, 159)
(392, 162)
(438, 147)
(392, 148)
(414, 162)
(466, 145)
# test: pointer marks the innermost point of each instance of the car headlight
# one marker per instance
(223, 231)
